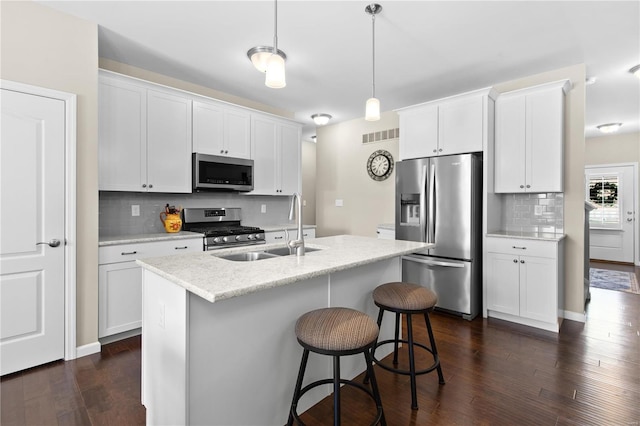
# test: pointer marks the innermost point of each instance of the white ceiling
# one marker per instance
(425, 50)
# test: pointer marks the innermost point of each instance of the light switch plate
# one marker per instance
(339, 203)
(135, 210)
(263, 208)
(537, 210)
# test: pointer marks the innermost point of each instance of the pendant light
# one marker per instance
(275, 77)
(372, 109)
(270, 60)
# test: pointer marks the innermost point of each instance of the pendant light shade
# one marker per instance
(372, 112)
(259, 56)
(372, 108)
(275, 77)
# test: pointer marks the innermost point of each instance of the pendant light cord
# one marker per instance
(275, 29)
(373, 80)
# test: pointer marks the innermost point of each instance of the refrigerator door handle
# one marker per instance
(431, 236)
(433, 262)
(423, 203)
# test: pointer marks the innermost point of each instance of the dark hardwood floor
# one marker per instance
(497, 373)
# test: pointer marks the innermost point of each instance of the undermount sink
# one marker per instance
(284, 251)
(251, 256)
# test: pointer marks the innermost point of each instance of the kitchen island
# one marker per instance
(218, 341)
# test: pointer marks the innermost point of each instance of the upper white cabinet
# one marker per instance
(144, 138)
(529, 140)
(275, 145)
(220, 129)
(454, 125)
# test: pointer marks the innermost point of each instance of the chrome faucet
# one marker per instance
(297, 245)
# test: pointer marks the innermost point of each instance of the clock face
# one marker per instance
(380, 165)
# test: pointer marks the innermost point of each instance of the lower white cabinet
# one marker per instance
(120, 281)
(525, 281)
(386, 233)
(281, 236)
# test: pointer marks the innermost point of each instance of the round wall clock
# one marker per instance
(380, 165)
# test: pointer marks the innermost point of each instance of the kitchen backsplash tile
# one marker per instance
(533, 212)
(115, 209)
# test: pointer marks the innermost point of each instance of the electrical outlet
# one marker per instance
(161, 316)
(263, 208)
(135, 210)
(339, 203)
(304, 203)
(537, 210)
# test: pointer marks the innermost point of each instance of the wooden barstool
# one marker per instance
(336, 332)
(408, 299)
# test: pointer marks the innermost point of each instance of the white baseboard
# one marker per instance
(91, 348)
(575, 316)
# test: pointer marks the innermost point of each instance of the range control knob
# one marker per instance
(225, 239)
(217, 240)
(238, 237)
(251, 237)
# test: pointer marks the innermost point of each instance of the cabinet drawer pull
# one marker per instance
(127, 253)
(181, 248)
(278, 238)
(515, 260)
(522, 261)
(519, 248)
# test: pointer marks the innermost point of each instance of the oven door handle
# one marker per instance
(433, 262)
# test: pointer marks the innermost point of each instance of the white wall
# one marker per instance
(341, 174)
(46, 48)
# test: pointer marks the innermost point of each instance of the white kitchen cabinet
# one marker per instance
(524, 281)
(276, 149)
(144, 138)
(454, 125)
(281, 236)
(386, 233)
(220, 129)
(120, 281)
(529, 140)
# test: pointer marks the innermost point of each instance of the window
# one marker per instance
(603, 191)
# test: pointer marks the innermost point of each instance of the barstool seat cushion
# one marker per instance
(405, 296)
(336, 329)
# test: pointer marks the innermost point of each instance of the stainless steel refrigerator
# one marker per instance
(439, 200)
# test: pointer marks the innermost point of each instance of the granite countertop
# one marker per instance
(146, 238)
(288, 226)
(544, 236)
(212, 278)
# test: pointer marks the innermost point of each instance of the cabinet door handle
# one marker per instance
(528, 186)
(521, 186)
(181, 248)
(150, 186)
(222, 151)
(522, 261)
(278, 238)
(144, 185)
(127, 253)
(515, 260)
(435, 150)
(519, 248)
(440, 150)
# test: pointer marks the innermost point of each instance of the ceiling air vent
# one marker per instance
(380, 136)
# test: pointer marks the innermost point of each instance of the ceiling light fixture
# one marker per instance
(321, 119)
(635, 71)
(609, 127)
(270, 60)
(372, 109)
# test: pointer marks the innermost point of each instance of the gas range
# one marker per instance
(221, 227)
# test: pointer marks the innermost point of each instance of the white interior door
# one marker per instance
(32, 220)
(612, 225)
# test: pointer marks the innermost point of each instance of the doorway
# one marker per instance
(37, 217)
(613, 230)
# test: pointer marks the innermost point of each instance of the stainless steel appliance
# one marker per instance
(439, 200)
(218, 173)
(221, 227)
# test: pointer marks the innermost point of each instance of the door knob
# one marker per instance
(52, 243)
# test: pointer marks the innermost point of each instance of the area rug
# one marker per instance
(613, 280)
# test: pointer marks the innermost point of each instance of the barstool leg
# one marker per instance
(336, 391)
(436, 358)
(395, 345)
(412, 364)
(374, 386)
(373, 348)
(296, 391)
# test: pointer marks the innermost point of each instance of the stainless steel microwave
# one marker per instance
(218, 173)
